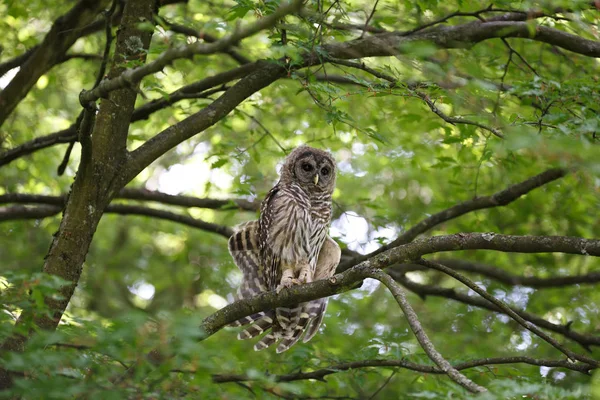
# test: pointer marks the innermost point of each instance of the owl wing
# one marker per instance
(243, 247)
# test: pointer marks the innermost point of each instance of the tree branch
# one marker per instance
(140, 194)
(407, 252)
(207, 37)
(507, 310)
(167, 57)
(430, 290)
(424, 341)
(320, 374)
(502, 198)
(508, 278)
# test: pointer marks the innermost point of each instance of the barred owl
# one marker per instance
(289, 245)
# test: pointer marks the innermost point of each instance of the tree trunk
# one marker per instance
(103, 156)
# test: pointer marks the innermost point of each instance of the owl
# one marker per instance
(287, 246)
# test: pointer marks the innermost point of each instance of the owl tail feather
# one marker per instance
(288, 317)
(291, 336)
(250, 319)
(315, 323)
(265, 342)
(258, 327)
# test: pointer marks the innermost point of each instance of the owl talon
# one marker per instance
(305, 277)
(285, 283)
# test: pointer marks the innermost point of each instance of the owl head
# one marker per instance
(312, 169)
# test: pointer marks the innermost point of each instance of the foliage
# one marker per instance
(413, 134)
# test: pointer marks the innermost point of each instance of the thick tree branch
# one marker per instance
(320, 374)
(502, 198)
(203, 119)
(461, 36)
(404, 253)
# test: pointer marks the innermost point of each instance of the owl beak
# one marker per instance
(316, 179)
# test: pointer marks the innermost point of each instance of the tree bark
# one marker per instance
(103, 156)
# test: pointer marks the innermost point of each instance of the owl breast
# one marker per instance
(299, 237)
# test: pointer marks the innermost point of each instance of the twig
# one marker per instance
(379, 389)
(513, 51)
(364, 30)
(167, 57)
(507, 310)
(512, 279)
(424, 341)
(420, 95)
(423, 291)
(208, 38)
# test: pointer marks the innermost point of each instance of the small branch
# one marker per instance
(167, 57)
(125, 209)
(502, 198)
(456, 120)
(144, 111)
(186, 201)
(198, 89)
(23, 212)
(422, 338)
(364, 30)
(507, 310)
(320, 374)
(38, 212)
(140, 194)
(394, 82)
(351, 27)
(430, 290)
(208, 38)
(500, 275)
(64, 136)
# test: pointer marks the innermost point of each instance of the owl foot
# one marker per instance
(285, 283)
(305, 276)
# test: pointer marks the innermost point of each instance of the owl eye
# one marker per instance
(307, 167)
(325, 171)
